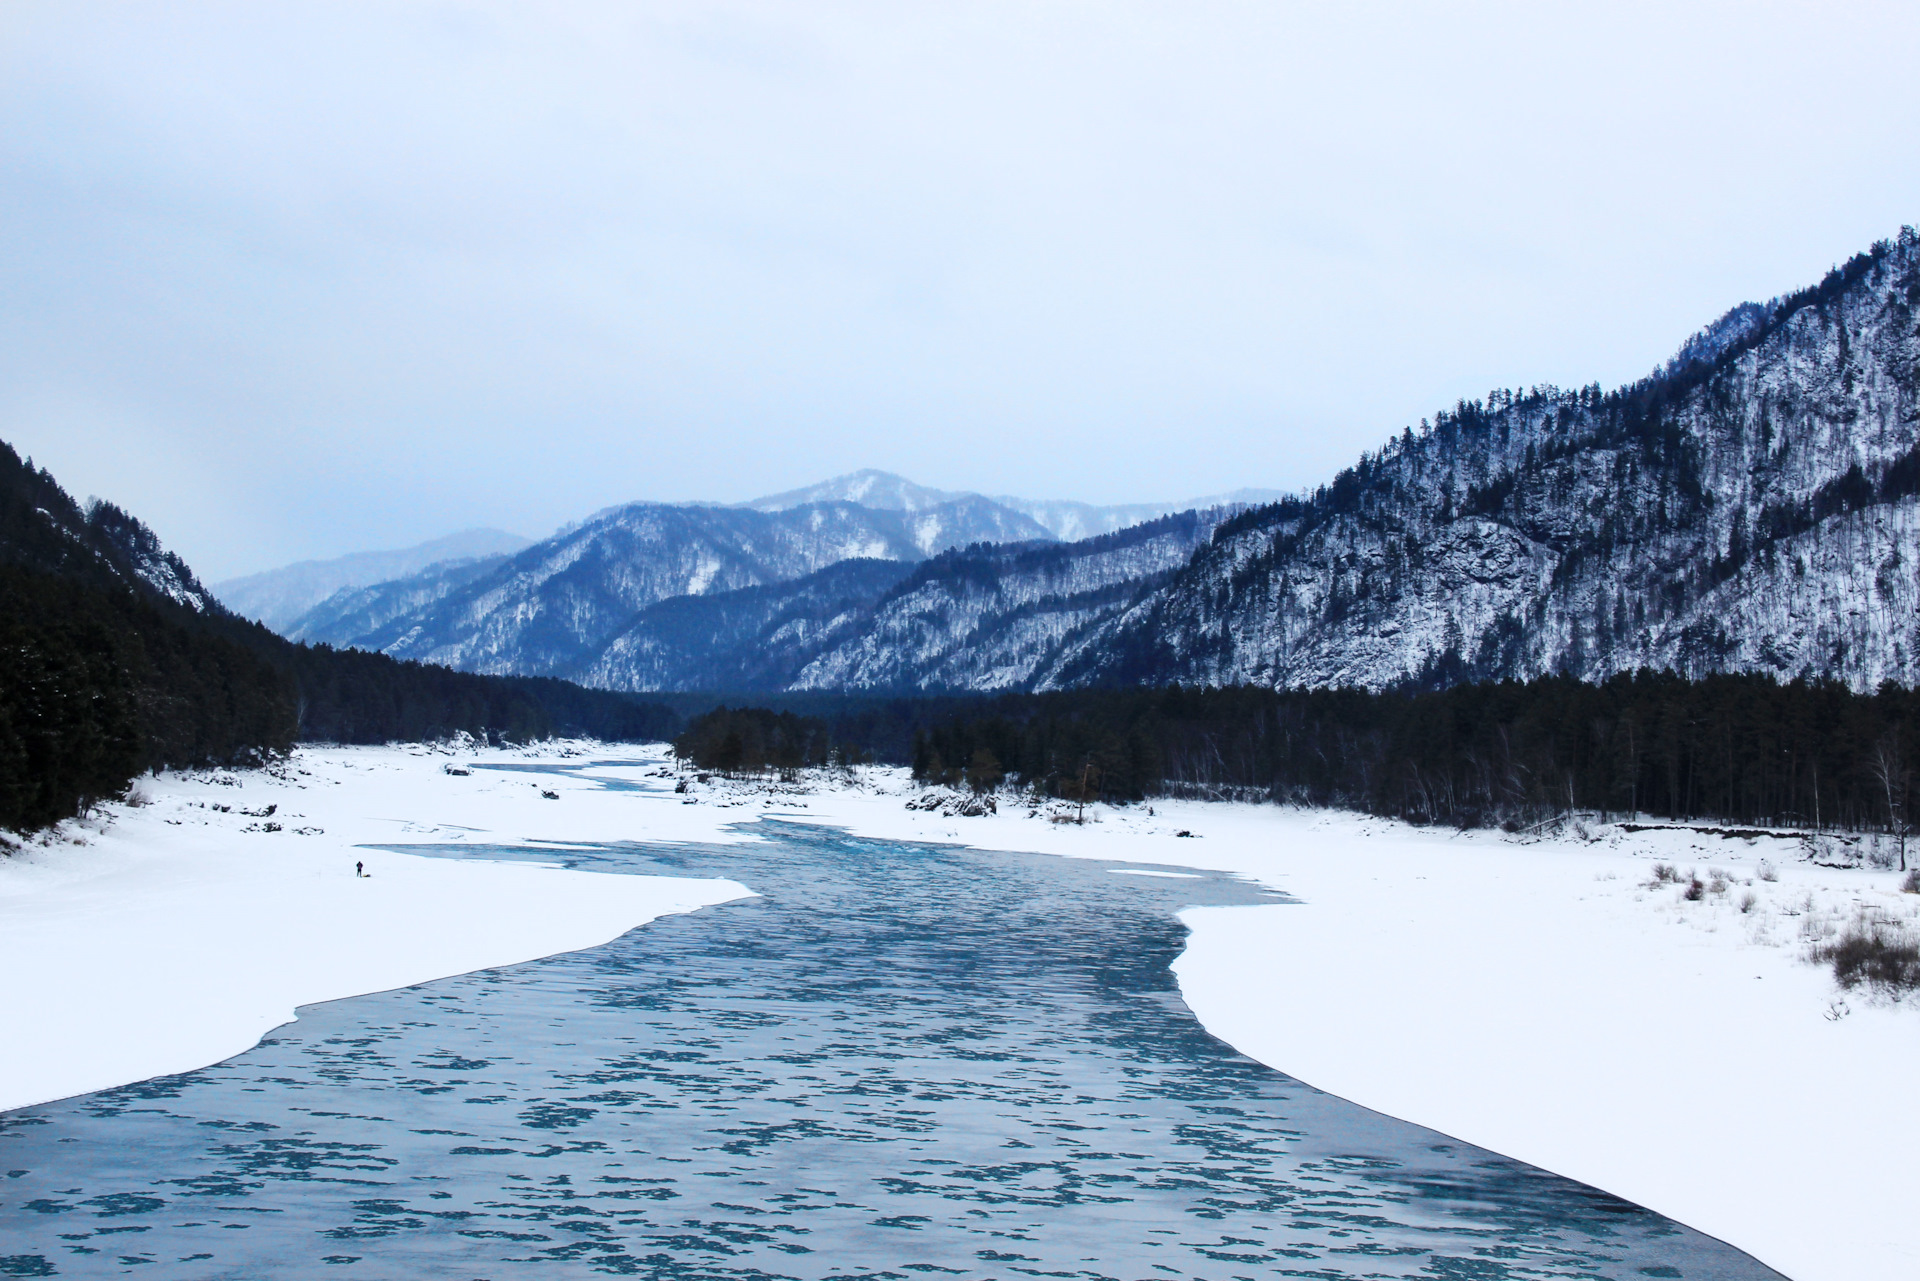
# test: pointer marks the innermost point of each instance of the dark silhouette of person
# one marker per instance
(359, 869)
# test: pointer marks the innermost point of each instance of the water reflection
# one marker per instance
(901, 1061)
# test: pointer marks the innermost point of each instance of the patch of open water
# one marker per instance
(902, 1061)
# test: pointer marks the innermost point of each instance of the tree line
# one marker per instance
(756, 740)
(1742, 749)
(1734, 749)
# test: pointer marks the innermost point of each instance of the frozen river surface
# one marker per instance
(902, 1061)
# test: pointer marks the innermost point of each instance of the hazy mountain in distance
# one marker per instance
(278, 597)
(1071, 521)
(552, 607)
(361, 611)
(1065, 519)
(880, 490)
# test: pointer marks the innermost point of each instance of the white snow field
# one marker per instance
(1541, 999)
(160, 938)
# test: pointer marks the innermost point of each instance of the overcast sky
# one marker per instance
(292, 280)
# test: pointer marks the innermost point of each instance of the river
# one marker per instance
(901, 1060)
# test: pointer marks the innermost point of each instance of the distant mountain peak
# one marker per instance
(868, 487)
(1066, 519)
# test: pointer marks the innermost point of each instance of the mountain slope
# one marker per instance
(756, 638)
(553, 607)
(988, 617)
(880, 490)
(43, 530)
(1749, 507)
(359, 611)
(278, 597)
(977, 618)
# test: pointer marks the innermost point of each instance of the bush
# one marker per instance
(1912, 884)
(1871, 957)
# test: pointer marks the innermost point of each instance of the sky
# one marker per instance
(294, 280)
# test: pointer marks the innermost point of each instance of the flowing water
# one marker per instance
(902, 1060)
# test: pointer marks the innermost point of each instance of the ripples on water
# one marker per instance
(903, 1061)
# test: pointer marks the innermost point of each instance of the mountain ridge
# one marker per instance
(548, 609)
(278, 597)
(1589, 533)
(1066, 519)
(1752, 504)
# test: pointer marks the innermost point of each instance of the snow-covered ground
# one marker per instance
(162, 937)
(1542, 999)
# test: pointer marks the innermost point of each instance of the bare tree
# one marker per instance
(1888, 765)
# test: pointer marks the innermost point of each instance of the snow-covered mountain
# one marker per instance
(1071, 521)
(362, 611)
(979, 617)
(1755, 505)
(552, 608)
(991, 617)
(279, 597)
(1063, 518)
(756, 638)
(880, 490)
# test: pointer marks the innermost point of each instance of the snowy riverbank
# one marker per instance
(1543, 999)
(159, 938)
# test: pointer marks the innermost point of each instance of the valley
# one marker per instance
(1753, 505)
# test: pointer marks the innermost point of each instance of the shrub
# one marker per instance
(1768, 872)
(1747, 901)
(1695, 891)
(1871, 957)
(1912, 884)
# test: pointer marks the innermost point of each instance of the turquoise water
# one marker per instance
(903, 1061)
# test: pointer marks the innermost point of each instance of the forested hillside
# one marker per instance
(1754, 506)
(115, 659)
